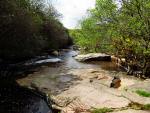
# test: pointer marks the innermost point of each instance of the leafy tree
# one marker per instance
(28, 28)
(123, 31)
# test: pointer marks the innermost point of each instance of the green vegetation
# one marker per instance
(146, 107)
(102, 110)
(143, 93)
(122, 31)
(28, 28)
(135, 106)
(138, 106)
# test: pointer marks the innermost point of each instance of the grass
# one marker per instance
(143, 93)
(101, 110)
(135, 106)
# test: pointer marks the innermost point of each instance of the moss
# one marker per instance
(146, 107)
(101, 110)
(135, 106)
(138, 106)
(143, 93)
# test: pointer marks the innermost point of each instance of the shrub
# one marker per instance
(143, 93)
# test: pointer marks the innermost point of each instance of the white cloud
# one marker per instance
(72, 10)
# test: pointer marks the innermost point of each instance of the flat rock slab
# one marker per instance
(95, 96)
(93, 57)
(133, 96)
(144, 85)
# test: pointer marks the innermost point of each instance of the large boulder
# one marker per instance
(93, 57)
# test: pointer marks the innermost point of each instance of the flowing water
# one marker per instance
(16, 99)
(71, 63)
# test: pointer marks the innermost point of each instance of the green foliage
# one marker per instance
(95, 30)
(102, 110)
(124, 31)
(143, 93)
(146, 107)
(138, 106)
(27, 28)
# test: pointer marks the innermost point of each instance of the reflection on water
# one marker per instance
(71, 63)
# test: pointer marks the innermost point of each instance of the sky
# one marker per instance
(72, 10)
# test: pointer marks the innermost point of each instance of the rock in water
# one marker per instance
(55, 53)
(52, 60)
(93, 57)
(116, 82)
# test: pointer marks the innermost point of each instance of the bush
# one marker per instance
(146, 107)
(143, 93)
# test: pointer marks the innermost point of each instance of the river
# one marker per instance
(71, 63)
(51, 79)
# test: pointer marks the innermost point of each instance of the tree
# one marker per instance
(28, 28)
(123, 31)
(135, 19)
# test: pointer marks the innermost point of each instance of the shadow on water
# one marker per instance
(71, 63)
(17, 99)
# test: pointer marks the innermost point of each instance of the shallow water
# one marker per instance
(71, 63)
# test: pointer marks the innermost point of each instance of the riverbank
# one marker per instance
(15, 98)
(82, 86)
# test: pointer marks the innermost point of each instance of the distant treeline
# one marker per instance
(122, 30)
(28, 28)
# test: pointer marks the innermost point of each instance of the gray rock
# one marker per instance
(52, 60)
(55, 53)
(93, 57)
